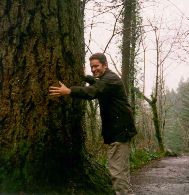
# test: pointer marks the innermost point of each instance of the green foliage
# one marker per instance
(140, 157)
(176, 132)
(183, 92)
(173, 139)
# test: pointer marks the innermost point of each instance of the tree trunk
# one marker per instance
(133, 55)
(41, 138)
(126, 47)
(153, 104)
(128, 50)
(156, 122)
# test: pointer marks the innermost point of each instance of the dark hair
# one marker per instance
(99, 56)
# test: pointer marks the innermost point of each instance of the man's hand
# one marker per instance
(59, 91)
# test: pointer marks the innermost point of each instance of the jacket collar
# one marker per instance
(105, 72)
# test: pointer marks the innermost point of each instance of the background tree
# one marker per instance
(177, 126)
(164, 49)
(159, 57)
(126, 47)
(183, 96)
(42, 139)
(173, 130)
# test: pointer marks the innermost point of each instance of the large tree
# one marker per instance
(41, 138)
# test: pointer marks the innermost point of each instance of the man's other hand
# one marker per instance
(59, 91)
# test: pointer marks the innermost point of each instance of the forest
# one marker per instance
(53, 145)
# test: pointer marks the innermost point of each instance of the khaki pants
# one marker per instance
(118, 164)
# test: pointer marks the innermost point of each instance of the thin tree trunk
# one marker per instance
(126, 47)
(157, 124)
(153, 104)
(133, 55)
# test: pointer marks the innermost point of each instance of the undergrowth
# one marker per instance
(138, 157)
(141, 157)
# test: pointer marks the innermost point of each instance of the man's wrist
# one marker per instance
(69, 91)
(66, 91)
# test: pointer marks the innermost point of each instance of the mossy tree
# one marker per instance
(131, 22)
(41, 138)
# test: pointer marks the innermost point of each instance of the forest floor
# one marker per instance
(167, 176)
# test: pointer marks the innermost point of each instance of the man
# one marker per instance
(117, 120)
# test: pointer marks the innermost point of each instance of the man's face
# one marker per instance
(97, 68)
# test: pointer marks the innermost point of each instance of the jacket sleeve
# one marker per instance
(89, 92)
(89, 79)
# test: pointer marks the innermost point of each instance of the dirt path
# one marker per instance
(168, 176)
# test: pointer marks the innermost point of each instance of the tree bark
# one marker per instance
(133, 55)
(153, 104)
(41, 138)
(156, 122)
(126, 47)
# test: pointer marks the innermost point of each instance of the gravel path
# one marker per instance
(168, 176)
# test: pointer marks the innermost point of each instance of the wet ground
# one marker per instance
(168, 176)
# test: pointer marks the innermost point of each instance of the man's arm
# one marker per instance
(87, 92)
(89, 79)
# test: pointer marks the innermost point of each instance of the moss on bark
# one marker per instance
(42, 138)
